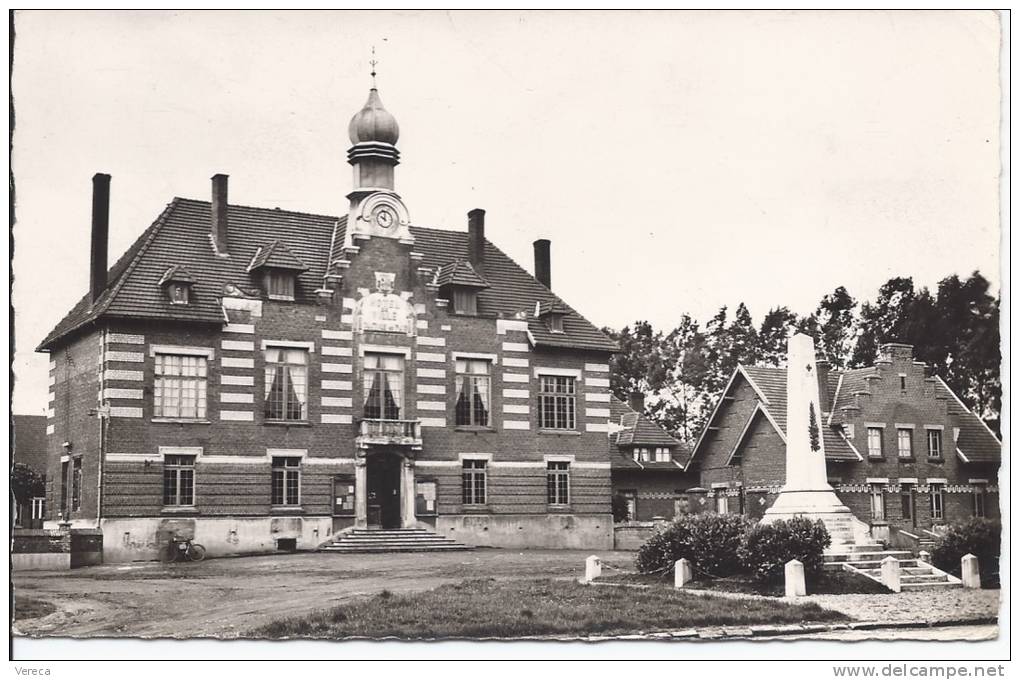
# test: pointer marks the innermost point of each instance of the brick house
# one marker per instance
(902, 451)
(650, 480)
(269, 378)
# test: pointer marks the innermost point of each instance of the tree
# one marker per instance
(638, 367)
(885, 320)
(26, 483)
(773, 335)
(836, 327)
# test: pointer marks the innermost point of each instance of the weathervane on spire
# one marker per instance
(373, 62)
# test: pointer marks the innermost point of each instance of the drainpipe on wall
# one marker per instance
(103, 415)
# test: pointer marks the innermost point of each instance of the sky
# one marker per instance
(678, 161)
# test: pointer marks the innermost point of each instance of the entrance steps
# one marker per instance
(391, 541)
(866, 559)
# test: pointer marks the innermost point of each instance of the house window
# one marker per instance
(722, 503)
(474, 480)
(907, 502)
(180, 386)
(905, 443)
(663, 455)
(280, 285)
(384, 386)
(425, 500)
(903, 383)
(681, 504)
(555, 322)
(877, 503)
(178, 293)
(179, 480)
(286, 396)
(286, 480)
(76, 484)
(934, 443)
(65, 470)
(465, 301)
(556, 402)
(629, 497)
(980, 501)
(937, 506)
(474, 389)
(848, 431)
(874, 442)
(557, 477)
(642, 454)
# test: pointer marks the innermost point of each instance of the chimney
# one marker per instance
(476, 239)
(637, 399)
(219, 214)
(822, 367)
(543, 270)
(100, 233)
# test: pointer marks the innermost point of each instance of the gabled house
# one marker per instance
(902, 451)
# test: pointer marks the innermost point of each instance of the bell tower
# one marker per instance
(375, 208)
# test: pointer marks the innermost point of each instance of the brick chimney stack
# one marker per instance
(637, 401)
(219, 214)
(543, 267)
(476, 239)
(100, 234)
(822, 368)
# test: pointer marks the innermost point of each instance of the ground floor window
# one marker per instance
(877, 503)
(907, 502)
(558, 482)
(628, 499)
(938, 511)
(286, 480)
(65, 468)
(76, 484)
(179, 480)
(722, 503)
(980, 501)
(39, 508)
(473, 477)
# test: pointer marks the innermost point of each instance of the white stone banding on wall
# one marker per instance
(337, 419)
(516, 425)
(431, 405)
(516, 347)
(114, 374)
(237, 380)
(237, 362)
(601, 397)
(337, 368)
(125, 339)
(596, 382)
(132, 357)
(597, 427)
(596, 412)
(597, 368)
(433, 422)
(337, 402)
(431, 342)
(503, 326)
(241, 328)
(509, 393)
(516, 408)
(125, 412)
(511, 362)
(330, 351)
(238, 345)
(337, 335)
(241, 416)
(121, 393)
(430, 389)
(236, 398)
(338, 385)
(50, 429)
(434, 373)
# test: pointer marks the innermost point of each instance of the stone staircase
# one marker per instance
(866, 559)
(390, 541)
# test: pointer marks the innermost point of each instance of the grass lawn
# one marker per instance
(828, 583)
(26, 607)
(506, 609)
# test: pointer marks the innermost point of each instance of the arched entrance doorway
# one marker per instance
(383, 482)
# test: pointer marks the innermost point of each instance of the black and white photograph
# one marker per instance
(611, 334)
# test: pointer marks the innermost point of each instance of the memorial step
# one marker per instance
(390, 540)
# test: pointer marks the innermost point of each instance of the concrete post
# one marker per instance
(924, 556)
(408, 517)
(682, 573)
(592, 568)
(891, 573)
(795, 586)
(360, 493)
(969, 571)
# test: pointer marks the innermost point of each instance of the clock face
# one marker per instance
(384, 218)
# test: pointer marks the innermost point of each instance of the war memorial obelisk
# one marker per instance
(806, 492)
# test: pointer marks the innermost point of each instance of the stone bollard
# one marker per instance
(969, 571)
(891, 573)
(924, 556)
(592, 568)
(795, 579)
(682, 573)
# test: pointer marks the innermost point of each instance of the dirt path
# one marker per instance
(228, 597)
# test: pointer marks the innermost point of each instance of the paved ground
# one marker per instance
(227, 597)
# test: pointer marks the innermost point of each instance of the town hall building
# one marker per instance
(259, 379)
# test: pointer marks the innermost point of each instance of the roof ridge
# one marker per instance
(261, 208)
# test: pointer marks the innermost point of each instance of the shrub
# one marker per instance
(767, 548)
(709, 541)
(979, 537)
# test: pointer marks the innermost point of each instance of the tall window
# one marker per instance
(937, 507)
(76, 484)
(280, 285)
(877, 503)
(907, 502)
(722, 503)
(934, 443)
(905, 443)
(179, 391)
(474, 480)
(179, 480)
(65, 468)
(286, 383)
(384, 386)
(286, 480)
(980, 501)
(465, 301)
(629, 499)
(874, 442)
(474, 389)
(558, 482)
(557, 402)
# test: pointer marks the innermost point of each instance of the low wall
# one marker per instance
(632, 535)
(54, 550)
(529, 531)
(146, 538)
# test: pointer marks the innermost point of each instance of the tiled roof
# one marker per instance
(976, 441)
(276, 255)
(177, 274)
(551, 307)
(30, 442)
(633, 429)
(853, 382)
(181, 236)
(460, 273)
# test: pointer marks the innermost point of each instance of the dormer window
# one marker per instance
(460, 284)
(176, 283)
(279, 269)
(552, 313)
(555, 322)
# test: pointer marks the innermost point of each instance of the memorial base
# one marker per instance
(820, 504)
